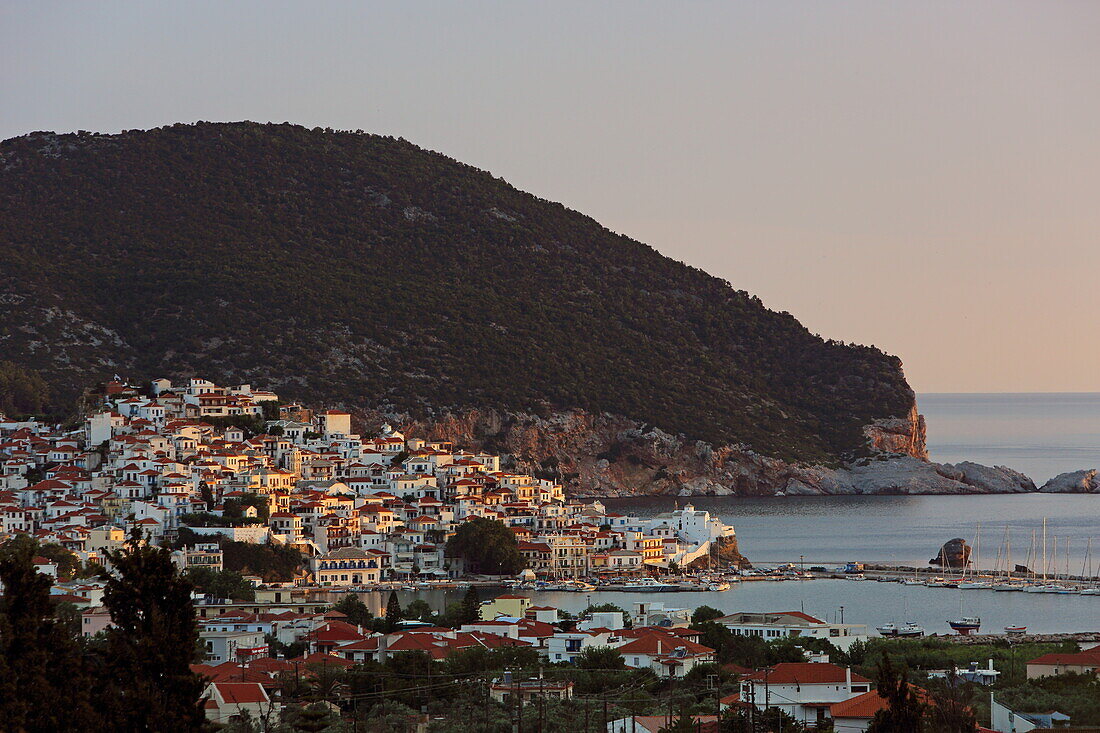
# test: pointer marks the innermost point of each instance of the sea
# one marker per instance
(1039, 434)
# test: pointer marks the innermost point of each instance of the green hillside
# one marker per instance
(358, 269)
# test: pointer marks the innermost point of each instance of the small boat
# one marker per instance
(975, 585)
(857, 577)
(1007, 587)
(966, 624)
(906, 630)
(1091, 592)
(1015, 630)
(719, 585)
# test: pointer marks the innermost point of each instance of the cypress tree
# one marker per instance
(152, 643)
(904, 712)
(471, 606)
(393, 610)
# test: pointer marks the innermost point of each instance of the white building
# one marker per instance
(782, 624)
(803, 690)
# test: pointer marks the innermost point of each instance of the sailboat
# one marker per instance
(1007, 584)
(975, 582)
(1092, 590)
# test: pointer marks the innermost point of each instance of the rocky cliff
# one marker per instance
(607, 455)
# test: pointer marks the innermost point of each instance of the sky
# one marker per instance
(923, 176)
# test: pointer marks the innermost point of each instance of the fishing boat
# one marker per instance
(907, 630)
(966, 625)
(1015, 630)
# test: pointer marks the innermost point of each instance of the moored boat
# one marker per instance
(966, 624)
(906, 630)
(1015, 630)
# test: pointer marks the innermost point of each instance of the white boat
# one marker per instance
(1015, 630)
(1090, 592)
(720, 585)
(975, 585)
(649, 585)
(906, 630)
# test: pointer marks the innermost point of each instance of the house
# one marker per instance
(509, 605)
(1006, 720)
(783, 624)
(667, 654)
(1049, 665)
(350, 566)
(509, 691)
(804, 690)
(232, 645)
(228, 700)
(854, 714)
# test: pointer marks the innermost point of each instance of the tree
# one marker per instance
(152, 642)
(705, 613)
(418, 610)
(356, 611)
(207, 495)
(470, 611)
(487, 546)
(601, 657)
(948, 709)
(393, 610)
(904, 712)
(222, 583)
(41, 663)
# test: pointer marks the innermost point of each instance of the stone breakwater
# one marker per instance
(612, 456)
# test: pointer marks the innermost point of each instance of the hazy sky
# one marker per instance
(923, 176)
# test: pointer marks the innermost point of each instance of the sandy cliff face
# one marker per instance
(608, 455)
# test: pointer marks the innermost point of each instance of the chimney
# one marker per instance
(848, 678)
(658, 645)
(991, 664)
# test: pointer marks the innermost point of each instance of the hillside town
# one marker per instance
(206, 470)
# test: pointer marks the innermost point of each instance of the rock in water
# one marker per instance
(954, 554)
(1073, 482)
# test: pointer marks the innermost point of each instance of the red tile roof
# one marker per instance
(805, 673)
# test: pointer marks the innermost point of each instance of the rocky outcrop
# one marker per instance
(609, 455)
(904, 436)
(954, 554)
(1073, 482)
(727, 554)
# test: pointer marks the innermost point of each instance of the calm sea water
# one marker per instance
(1041, 434)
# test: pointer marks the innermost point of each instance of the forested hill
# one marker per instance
(363, 270)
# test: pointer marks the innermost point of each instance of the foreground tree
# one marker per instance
(904, 711)
(41, 661)
(152, 642)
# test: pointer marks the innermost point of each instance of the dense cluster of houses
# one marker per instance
(168, 459)
(364, 510)
(812, 692)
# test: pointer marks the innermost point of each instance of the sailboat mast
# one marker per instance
(1044, 549)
